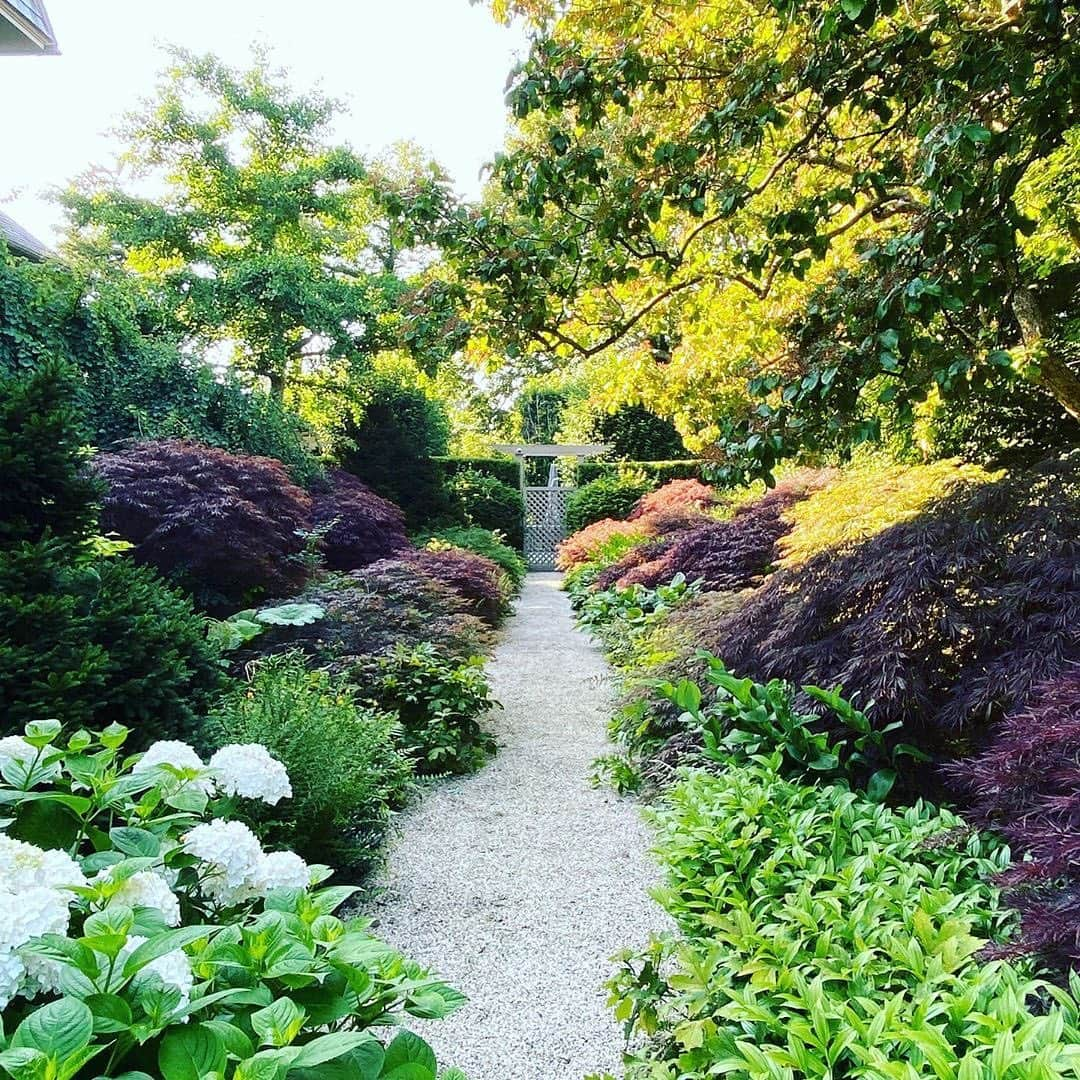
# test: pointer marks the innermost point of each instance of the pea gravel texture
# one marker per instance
(518, 884)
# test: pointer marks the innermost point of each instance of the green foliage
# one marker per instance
(483, 542)
(134, 380)
(172, 945)
(817, 186)
(659, 472)
(866, 500)
(46, 488)
(391, 447)
(835, 937)
(439, 702)
(622, 619)
(541, 410)
(636, 434)
(253, 192)
(606, 497)
(99, 641)
(341, 757)
(486, 502)
(502, 468)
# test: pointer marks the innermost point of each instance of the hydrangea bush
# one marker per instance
(144, 933)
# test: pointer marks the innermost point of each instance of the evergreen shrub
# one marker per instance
(607, 497)
(485, 502)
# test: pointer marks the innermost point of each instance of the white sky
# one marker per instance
(431, 71)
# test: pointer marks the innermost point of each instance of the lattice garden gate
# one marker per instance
(545, 506)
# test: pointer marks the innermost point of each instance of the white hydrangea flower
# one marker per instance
(233, 857)
(180, 756)
(147, 889)
(249, 770)
(285, 870)
(35, 911)
(12, 972)
(23, 866)
(16, 748)
(174, 968)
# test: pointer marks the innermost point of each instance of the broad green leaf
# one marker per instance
(190, 1053)
(60, 1029)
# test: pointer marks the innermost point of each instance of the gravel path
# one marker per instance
(518, 884)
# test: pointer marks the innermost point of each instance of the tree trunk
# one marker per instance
(1040, 336)
(277, 385)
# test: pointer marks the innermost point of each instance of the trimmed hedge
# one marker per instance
(502, 468)
(659, 472)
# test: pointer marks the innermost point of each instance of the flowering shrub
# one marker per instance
(345, 769)
(942, 622)
(358, 527)
(585, 544)
(162, 940)
(475, 578)
(227, 526)
(369, 611)
(439, 704)
(678, 495)
(1026, 785)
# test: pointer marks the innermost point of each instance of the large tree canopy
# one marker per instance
(257, 230)
(855, 200)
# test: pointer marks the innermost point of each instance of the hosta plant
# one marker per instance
(144, 934)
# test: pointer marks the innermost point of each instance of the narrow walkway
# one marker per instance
(518, 884)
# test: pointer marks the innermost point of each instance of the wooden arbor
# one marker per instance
(545, 506)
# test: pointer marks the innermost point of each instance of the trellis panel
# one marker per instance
(545, 524)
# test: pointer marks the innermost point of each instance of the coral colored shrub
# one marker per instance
(1026, 785)
(360, 526)
(369, 611)
(721, 555)
(226, 526)
(608, 497)
(583, 545)
(944, 622)
(475, 578)
(866, 500)
(679, 495)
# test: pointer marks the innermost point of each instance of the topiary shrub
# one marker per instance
(679, 496)
(476, 579)
(227, 526)
(358, 527)
(99, 641)
(488, 503)
(482, 542)
(608, 497)
(369, 611)
(346, 771)
(943, 622)
(1026, 785)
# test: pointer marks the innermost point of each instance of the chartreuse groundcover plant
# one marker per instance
(143, 933)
